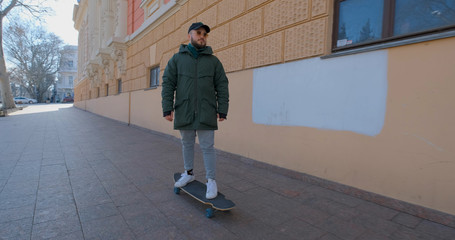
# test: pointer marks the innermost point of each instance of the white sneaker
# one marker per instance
(212, 190)
(184, 180)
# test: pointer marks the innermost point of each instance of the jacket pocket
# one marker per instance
(208, 113)
(183, 114)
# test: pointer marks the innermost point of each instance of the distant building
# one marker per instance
(67, 73)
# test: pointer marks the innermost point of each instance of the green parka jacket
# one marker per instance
(201, 90)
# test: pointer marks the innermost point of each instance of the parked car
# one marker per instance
(67, 100)
(24, 100)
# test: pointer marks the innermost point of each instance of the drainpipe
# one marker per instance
(129, 108)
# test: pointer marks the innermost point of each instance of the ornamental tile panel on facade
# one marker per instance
(282, 13)
(246, 27)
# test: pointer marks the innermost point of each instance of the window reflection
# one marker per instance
(420, 15)
(360, 21)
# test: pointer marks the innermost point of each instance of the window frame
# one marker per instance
(387, 29)
(119, 86)
(71, 81)
(156, 82)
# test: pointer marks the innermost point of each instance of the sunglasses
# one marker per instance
(202, 33)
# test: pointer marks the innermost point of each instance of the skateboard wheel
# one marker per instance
(176, 190)
(209, 212)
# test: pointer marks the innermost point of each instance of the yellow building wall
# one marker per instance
(419, 125)
(412, 157)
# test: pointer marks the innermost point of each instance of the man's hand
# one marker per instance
(220, 119)
(170, 117)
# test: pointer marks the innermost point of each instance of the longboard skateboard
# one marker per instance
(197, 190)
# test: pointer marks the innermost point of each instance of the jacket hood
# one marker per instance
(184, 48)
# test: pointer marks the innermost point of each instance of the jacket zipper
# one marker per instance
(195, 90)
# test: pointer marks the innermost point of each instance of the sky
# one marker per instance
(61, 21)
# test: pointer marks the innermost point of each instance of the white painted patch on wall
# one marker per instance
(344, 93)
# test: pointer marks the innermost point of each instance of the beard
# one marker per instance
(198, 45)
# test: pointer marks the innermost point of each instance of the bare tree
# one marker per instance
(36, 55)
(34, 9)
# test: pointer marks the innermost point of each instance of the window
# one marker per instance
(70, 63)
(107, 90)
(155, 76)
(119, 86)
(70, 80)
(361, 22)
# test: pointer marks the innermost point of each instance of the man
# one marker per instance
(201, 97)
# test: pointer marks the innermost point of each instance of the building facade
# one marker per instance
(353, 95)
(67, 73)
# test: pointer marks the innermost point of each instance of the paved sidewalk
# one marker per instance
(70, 174)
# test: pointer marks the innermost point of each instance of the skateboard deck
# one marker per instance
(197, 190)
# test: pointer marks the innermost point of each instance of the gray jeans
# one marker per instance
(206, 142)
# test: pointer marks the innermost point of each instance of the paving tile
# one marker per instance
(54, 153)
(56, 228)
(54, 213)
(335, 196)
(97, 211)
(144, 223)
(45, 201)
(19, 190)
(332, 208)
(254, 229)
(119, 187)
(91, 198)
(377, 225)
(53, 181)
(53, 161)
(184, 216)
(76, 164)
(7, 202)
(19, 229)
(78, 235)
(312, 215)
(63, 189)
(298, 229)
(53, 169)
(87, 186)
(128, 198)
(168, 232)
(243, 185)
(405, 233)
(330, 236)
(407, 220)
(113, 227)
(210, 231)
(436, 229)
(342, 228)
(133, 210)
(161, 195)
(3, 181)
(272, 216)
(13, 214)
(373, 236)
(82, 174)
(377, 210)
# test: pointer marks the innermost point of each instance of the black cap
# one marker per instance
(198, 25)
